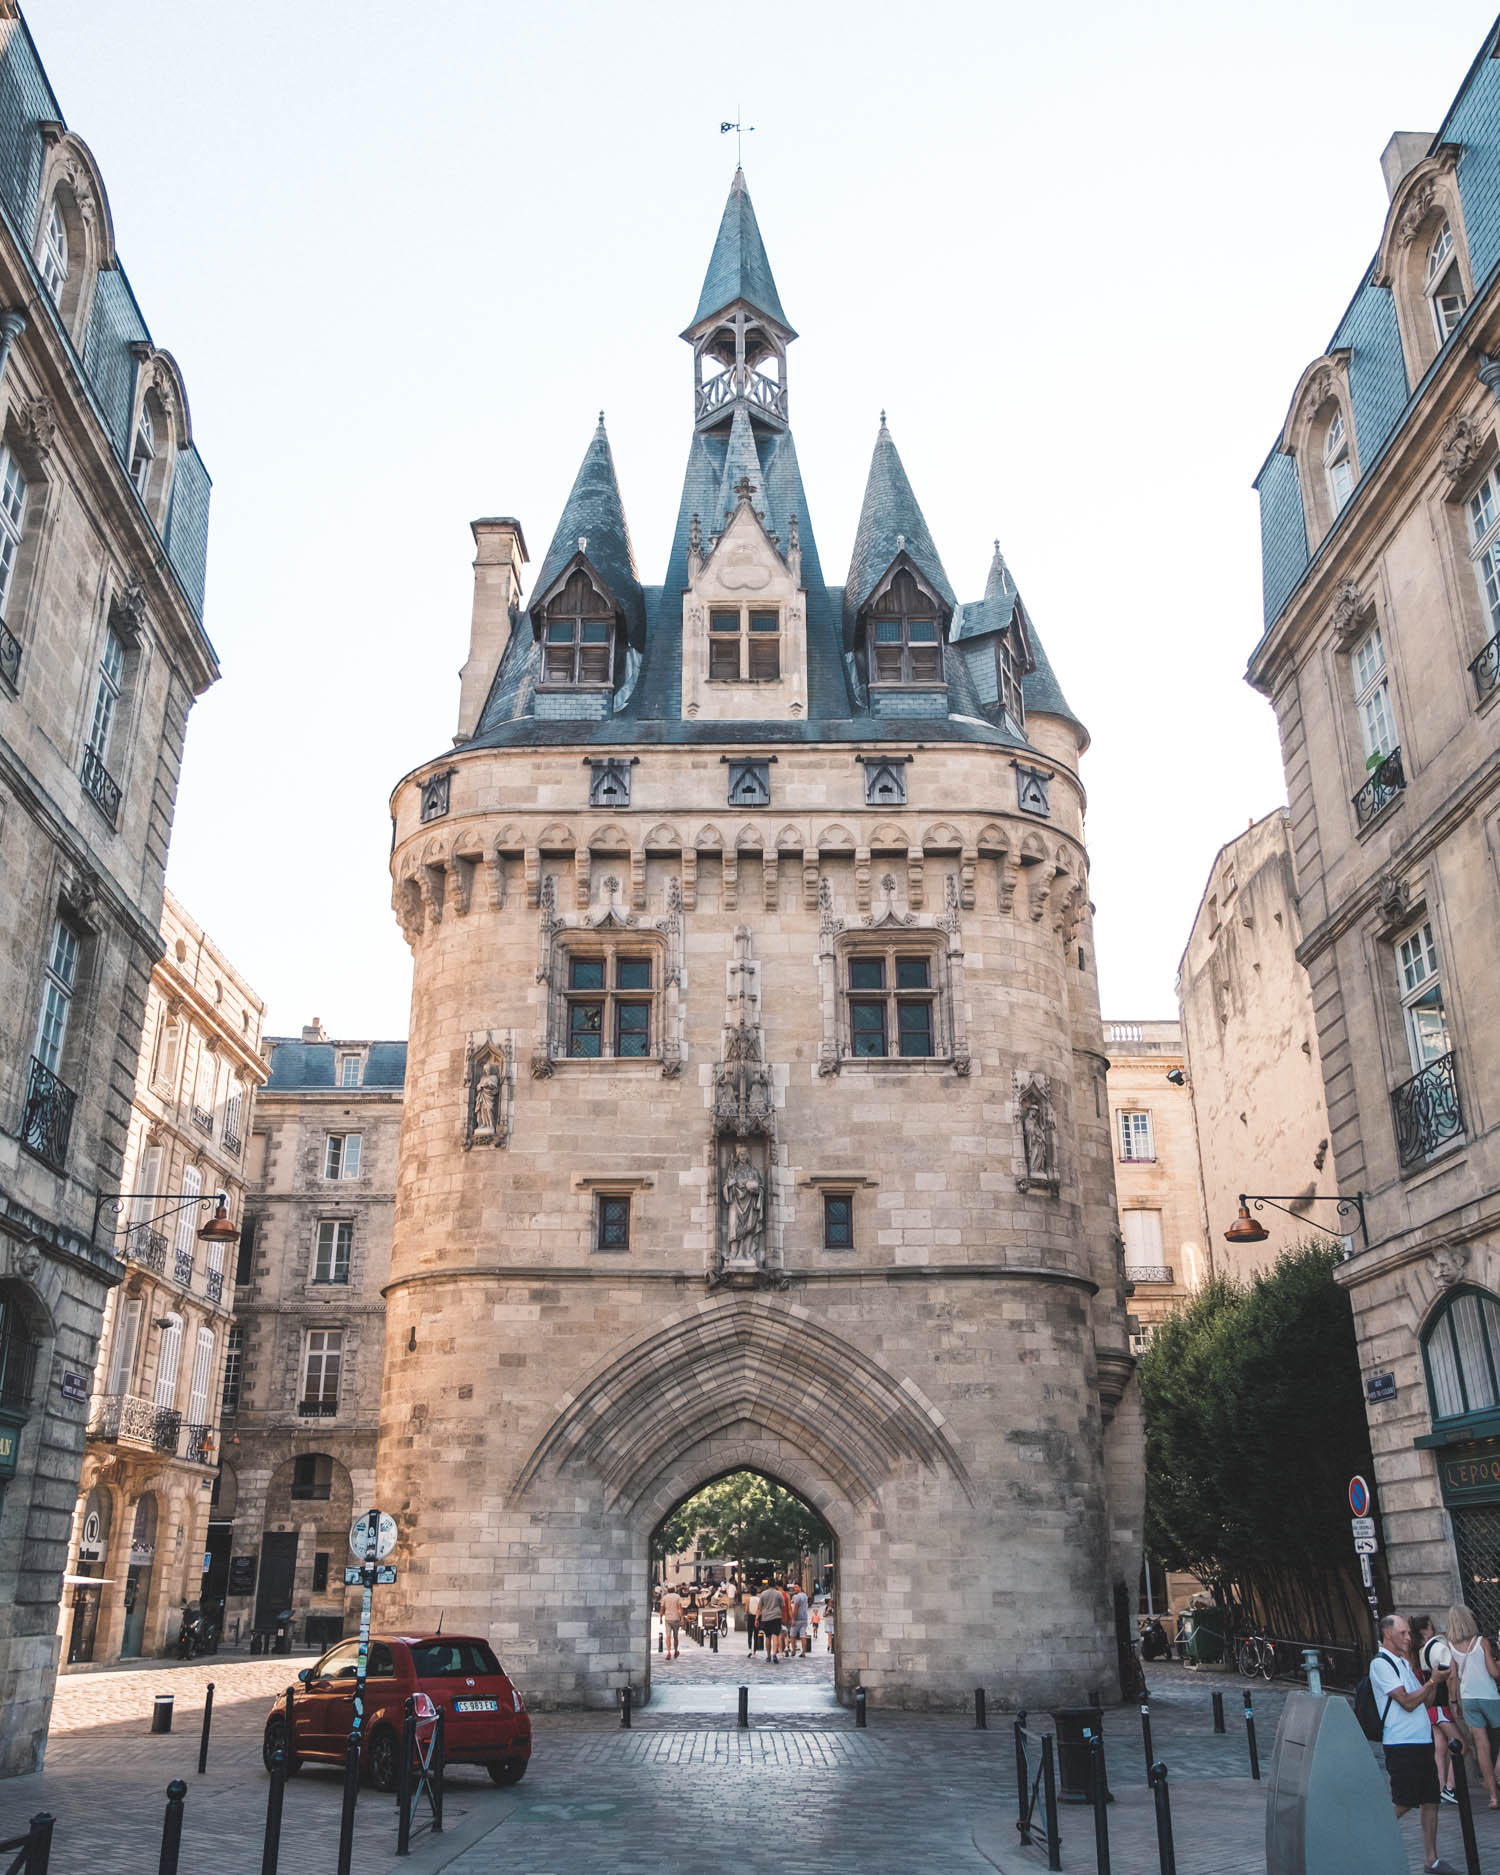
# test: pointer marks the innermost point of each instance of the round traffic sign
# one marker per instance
(385, 1539)
(1359, 1497)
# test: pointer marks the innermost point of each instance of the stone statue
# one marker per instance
(486, 1100)
(1037, 1146)
(744, 1196)
(1036, 1157)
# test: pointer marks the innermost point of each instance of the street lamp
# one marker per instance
(219, 1228)
(1245, 1230)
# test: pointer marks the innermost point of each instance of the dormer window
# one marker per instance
(578, 635)
(905, 642)
(1336, 464)
(744, 644)
(1008, 682)
(143, 453)
(53, 259)
(1443, 283)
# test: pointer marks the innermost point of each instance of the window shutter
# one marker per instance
(187, 1217)
(170, 1360)
(147, 1179)
(127, 1333)
(203, 1366)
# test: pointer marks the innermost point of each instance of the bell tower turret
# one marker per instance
(739, 334)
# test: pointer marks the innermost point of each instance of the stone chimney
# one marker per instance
(1401, 156)
(497, 592)
(313, 1031)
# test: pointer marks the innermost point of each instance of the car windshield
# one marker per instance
(441, 1660)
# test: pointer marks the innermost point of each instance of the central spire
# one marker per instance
(739, 333)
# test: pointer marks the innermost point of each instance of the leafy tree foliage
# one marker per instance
(747, 1518)
(1254, 1424)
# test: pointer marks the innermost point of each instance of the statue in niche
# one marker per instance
(745, 1203)
(486, 1101)
(486, 1118)
(1036, 1121)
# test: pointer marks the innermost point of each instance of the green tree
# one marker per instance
(746, 1518)
(1254, 1423)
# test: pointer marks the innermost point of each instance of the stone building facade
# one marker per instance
(1381, 656)
(103, 521)
(302, 1399)
(1157, 1182)
(756, 1109)
(1250, 1034)
(141, 1526)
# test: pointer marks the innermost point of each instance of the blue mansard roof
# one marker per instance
(1380, 396)
(297, 1064)
(108, 365)
(647, 707)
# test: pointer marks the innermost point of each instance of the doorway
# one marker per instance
(138, 1578)
(278, 1570)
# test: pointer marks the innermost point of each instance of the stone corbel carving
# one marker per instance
(671, 1021)
(861, 878)
(1463, 446)
(810, 879)
(968, 870)
(689, 878)
(461, 876)
(546, 927)
(1351, 608)
(1394, 899)
(1416, 212)
(916, 878)
(730, 864)
(430, 883)
(486, 1090)
(495, 875)
(638, 879)
(532, 863)
(406, 902)
(582, 877)
(1008, 876)
(1449, 1261)
(1039, 891)
(37, 424)
(541, 1065)
(1035, 1121)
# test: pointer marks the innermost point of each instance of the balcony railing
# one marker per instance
(48, 1117)
(213, 1285)
(203, 1121)
(1428, 1112)
(754, 386)
(146, 1247)
(1486, 668)
(101, 787)
(231, 1144)
(1385, 783)
(10, 658)
(197, 1446)
(127, 1418)
(182, 1268)
(317, 1409)
(1148, 1272)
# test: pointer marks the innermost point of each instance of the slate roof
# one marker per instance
(299, 1064)
(889, 520)
(594, 512)
(738, 267)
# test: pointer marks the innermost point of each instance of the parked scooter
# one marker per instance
(198, 1635)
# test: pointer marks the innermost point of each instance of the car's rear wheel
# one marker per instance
(272, 1743)
(383, 1758)
(511, 1771)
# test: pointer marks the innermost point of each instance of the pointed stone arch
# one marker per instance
(943, 837)
(836, 839)
(609, 838)
(749, 839)
(755, 1360)
(888, 838)
(663, 838)
(556, 838)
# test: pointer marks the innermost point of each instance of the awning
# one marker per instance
(86, 1582)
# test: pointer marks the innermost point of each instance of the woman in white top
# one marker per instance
(1477, 1692)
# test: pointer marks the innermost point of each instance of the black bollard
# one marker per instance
(161, 1713)
(661, 1642)
(351, 1798)
(744, 1707)
(1465, 1808)
(403, 1780)
(270, 1853)
(439, 1760)
(859, 1707)
(713, 1640)
(981, 1717)
(1250, 1739)
(39, 1842)
(208, 1715)
(1100, 1790)
(1166, 1853)
(1146, 1736)
(626, 1696)
(171, 1828)
(1218, 1712)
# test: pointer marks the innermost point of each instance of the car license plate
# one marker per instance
(476, 1705)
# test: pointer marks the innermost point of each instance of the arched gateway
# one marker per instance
(755, 1110)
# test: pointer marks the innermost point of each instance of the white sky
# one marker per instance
(404, 254)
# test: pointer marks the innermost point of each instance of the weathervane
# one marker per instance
(740, 133)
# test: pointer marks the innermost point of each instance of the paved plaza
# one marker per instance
(683, 1792)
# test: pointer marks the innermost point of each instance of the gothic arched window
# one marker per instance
(905, 635)
(578, 634)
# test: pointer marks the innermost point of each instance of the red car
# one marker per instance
(484, 1718)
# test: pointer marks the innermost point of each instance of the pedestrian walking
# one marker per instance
(671, 1614)
(1406, 1734)
(828, 1622)
(1478, 1695)
(773, 1611)
(801, 1636)
(752, 1623)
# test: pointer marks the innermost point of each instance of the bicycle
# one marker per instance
(1254, 1654)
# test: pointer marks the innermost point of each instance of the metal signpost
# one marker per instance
(371, 1538)
(1366, 1544)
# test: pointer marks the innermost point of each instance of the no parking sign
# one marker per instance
(1359, 1496)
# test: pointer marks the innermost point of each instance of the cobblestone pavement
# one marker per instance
(683, 1792)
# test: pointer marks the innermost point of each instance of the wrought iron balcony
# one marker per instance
(317, 1409)
(213, 1285)
(146, 1247)
(182, 1268)
(1427, 1109)
(129, 1419)
(10, 658)
(198, 1446)
(101, 787)
(1385, 783)
(231, 1144)
(48, 1116)
(1486, 668)
(203, 1121)
(1148, 1272)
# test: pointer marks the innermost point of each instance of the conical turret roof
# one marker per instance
(738, 268)
(595, 516)
(890, 521)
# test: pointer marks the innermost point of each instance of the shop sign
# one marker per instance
(10, 1442)
(1470, 1473)
(91, 1544)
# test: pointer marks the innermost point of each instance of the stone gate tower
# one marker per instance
(755, 1106)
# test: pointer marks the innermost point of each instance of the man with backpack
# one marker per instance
(1402, 1703)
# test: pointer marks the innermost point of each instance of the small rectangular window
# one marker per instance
(244, 1263)
(867, 973)
(335, 1245)
(915, 1022)
(341, 1156)
(1137, 1141)
(633, 973)
(234, 1358)
(58, 981)
(838, 1220)
(12, 520)
(320, 1571)
(632, 1029)
(349, 1066)
(613, 1227)
(312, 1476)
(321, 1363)
(586, 973)
(585, 1030)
